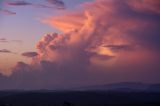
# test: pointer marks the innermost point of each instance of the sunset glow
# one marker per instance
(54, 43)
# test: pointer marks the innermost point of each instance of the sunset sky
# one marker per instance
(23, 29)
(64, 43)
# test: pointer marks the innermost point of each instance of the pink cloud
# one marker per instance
(106, 41)
(145, 5)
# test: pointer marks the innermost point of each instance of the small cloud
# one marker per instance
(30, 54)
(7, 12)
(41, 6)
(59, 3)
(19, 3)
(24, 3)
(3, 40)
(6, 51)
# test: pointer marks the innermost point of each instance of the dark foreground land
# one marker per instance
(78, 98)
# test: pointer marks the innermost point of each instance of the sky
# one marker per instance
(25, 26)
(55, 44)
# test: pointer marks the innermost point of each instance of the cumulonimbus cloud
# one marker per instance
(106, 41)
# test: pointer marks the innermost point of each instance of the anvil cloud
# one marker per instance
(106, 41)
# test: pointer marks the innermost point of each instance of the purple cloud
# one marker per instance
(59, 3)
(120, 47)
(78, 57)
(6, 51)
(7, 12)
(30, 54)
(19, 3)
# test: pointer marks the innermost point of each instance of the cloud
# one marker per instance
(151, 6)
(6, 51)
(19, 3)
(120, 47)
(7, 12)
(29, 54)
(56, 4)
(24, 3)
(59, 3)
(3, 40)
(106, 41)
(42, 6)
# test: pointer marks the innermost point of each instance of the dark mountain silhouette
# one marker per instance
(123, 86)
(116, 94)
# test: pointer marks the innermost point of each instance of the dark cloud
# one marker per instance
(151, 32)
(19, 3)
(24, 3)
(59, 3)
(120, 47)
(42, 6)
(6, 51)
(21, 66)
(30, 54)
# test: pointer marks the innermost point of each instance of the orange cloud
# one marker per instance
(107, 23)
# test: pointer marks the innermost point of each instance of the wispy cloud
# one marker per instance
(18, 3)
(59, 3)
(7, 12)
(6, 51)
(56, 4)
(3, 40)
